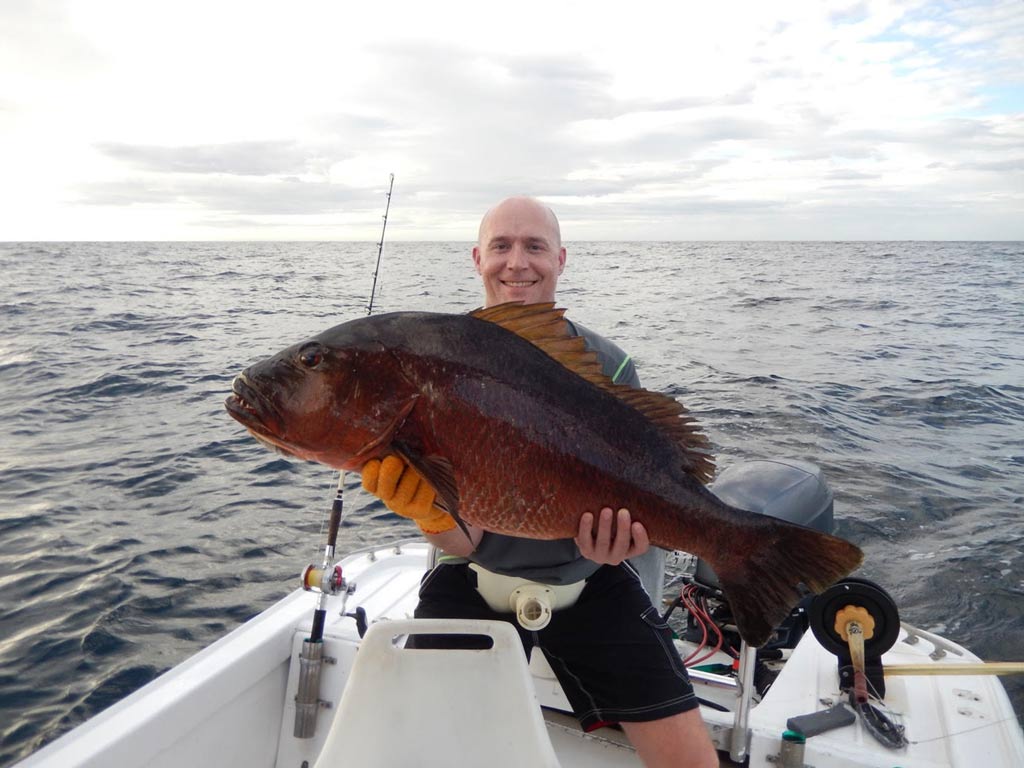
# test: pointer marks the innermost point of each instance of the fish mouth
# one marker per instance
(252, 409)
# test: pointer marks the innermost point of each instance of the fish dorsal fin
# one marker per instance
(545, 326)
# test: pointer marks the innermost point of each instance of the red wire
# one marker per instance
(698, 616)
(718, 645)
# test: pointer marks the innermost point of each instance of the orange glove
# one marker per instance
(405, 493)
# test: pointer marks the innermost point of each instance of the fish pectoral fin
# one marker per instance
(437, 471)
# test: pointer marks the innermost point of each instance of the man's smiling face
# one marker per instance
(520, 254)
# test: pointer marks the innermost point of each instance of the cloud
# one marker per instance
(245, 158)
(750, 118)
(229, 195)
(44, 35)
(351, 129)
(849, 13)
(848, 175)
(1008, 165)
(949, 135)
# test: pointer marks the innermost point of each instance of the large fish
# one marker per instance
(509, 418)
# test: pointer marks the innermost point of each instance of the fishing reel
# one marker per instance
(331, 581)
(328, 581)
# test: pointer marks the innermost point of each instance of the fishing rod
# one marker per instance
(328, 579)
(380, 246)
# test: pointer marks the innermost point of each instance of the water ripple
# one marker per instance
(129, 503)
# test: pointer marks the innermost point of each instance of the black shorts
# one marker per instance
(610, 651)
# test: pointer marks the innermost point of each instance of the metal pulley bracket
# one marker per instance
(855, 593)
(860, 605)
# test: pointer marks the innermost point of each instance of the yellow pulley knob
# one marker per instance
(858, 614)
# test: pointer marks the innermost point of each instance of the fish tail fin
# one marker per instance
(763, 587)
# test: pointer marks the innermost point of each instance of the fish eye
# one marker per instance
(311, 356)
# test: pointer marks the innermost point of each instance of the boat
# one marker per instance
(843, 683)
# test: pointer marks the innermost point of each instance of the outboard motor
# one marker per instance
(794, 491)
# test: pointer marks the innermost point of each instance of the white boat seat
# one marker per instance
(430, 707)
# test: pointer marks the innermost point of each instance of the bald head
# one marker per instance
(521, 207)
(519, 255)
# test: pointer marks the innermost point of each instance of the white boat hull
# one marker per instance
(233, 704)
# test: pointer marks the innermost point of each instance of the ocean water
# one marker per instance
(138, 522)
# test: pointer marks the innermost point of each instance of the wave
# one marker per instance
(128, 493)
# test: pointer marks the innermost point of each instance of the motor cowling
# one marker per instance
(794, 491)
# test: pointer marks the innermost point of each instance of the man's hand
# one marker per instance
(405, 493)
(630, 538)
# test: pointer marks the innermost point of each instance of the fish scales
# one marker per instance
(534, 446)
(516, 442)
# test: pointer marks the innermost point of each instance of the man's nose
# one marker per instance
(517, 257)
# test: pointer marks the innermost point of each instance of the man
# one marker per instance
(610, 651)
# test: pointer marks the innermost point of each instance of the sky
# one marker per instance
(224, 120)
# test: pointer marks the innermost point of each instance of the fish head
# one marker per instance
(321, 402)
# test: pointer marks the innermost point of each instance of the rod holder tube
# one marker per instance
(791, 750)
(740, 742)
(307, 698)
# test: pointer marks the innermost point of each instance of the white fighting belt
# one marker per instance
(531, 601)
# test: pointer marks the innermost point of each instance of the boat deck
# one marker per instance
(233, 704)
